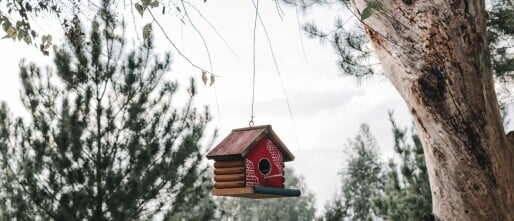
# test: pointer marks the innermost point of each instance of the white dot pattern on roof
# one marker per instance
(251, 179)
(275, 155)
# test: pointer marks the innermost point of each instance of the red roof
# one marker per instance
(240, 141)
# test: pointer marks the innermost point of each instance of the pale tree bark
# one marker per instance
(436, 55)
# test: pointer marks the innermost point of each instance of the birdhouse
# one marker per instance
(249, 162)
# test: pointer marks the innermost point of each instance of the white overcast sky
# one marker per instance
(327, 106)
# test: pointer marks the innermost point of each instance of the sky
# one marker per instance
(326, 106)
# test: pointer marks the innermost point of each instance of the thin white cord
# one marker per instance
(278, 71)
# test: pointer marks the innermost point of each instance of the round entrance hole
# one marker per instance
(264, 166)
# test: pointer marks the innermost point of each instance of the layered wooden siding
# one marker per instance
(229, 174)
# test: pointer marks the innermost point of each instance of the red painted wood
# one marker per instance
(265, 149)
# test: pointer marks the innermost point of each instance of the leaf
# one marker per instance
(155, 4)
(212, 79)
(147, 30)
(375, 5)
(204, 78)
(27, 39)
(46, 41)
(11, 32)
(371, 8)
(366, 13)
(21, 34)
(146, 3)
(6, 24)
(139, 9)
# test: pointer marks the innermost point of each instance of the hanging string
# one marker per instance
(278, 70)
(251, 123)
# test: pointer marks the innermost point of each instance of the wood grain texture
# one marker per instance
(435, 53)
(229, 177)
(229, 184)
(224, 164)
(229, 170)
(241, 141)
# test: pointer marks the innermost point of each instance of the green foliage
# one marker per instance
(333, 210)
(147, 30)
(361, 181)
(369, 190)
(16, 18)
(407, 193)
(501, 35)
(352, 46)
(142, 6)
(371, 8)
(206, 79)
(361, 177)
(104, 141)
(297, 208)
(195, 203)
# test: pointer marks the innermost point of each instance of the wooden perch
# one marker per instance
(256, 192)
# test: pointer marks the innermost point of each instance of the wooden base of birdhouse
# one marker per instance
(257, 192)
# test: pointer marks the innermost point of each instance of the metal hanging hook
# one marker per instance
(251, 123)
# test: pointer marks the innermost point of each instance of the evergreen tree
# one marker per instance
(333, 210)
(104, 141)
(361, 181)
(194, 203)
(500, 26)
(293, 209)
(406, 194)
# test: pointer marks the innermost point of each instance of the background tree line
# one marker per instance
(371, 189)
(94, 149)
(104, 141)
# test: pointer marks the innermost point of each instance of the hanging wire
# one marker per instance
(277, 69)
(251, 123)
(217, 107)
(300, 32)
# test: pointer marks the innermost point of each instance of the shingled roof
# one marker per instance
(240, 141)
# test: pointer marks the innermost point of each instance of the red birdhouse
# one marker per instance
(249, 162)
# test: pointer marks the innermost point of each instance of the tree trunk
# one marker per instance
(436, 55)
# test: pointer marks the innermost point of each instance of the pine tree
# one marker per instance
(333, 210)
(406, 194)
(194, 203)
(361, 181)
(297, 208)
(104, 140)
(500, 27)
